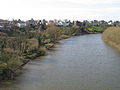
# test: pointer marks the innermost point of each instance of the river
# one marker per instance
(78, 63)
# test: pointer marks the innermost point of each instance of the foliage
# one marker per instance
(95, 29)
(9, 61)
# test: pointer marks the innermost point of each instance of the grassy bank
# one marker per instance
(95, 29)
(112, 37)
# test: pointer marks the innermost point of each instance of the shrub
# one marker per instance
(95, 29)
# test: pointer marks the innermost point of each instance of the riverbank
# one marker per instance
(17, 48)
(111, 36)
(78, 63)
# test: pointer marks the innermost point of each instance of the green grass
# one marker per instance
(95, 29)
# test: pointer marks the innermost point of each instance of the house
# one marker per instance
(95, 23)
(62, 24)
(1, 28)
(116, 23)
(21, 24)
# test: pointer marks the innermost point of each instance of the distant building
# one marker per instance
(95, 23)
(62, 24)
(21, 24)
(116, 23)
(1, 28)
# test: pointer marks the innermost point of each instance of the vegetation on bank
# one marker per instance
(95, 29)
(17, 47)
(112, 37)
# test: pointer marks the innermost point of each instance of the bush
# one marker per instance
(42, 51)
(9, 61)
(95, 29)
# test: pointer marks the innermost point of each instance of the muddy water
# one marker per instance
(78, 63)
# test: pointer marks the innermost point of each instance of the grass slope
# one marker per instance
(111, 36)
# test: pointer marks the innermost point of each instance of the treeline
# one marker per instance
(112, 37)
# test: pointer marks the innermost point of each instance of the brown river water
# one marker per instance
(78, 63)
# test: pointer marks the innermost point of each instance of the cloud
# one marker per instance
(60, 9)
(58, 3)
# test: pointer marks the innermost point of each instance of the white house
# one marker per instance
(21, 24)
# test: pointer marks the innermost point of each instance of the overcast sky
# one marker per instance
(60, 9)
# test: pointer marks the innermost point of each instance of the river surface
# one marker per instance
(78, 63)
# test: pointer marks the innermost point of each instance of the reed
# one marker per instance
(111, 36)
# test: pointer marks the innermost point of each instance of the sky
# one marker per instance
(60, 9)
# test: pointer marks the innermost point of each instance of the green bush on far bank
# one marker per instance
(95, 29)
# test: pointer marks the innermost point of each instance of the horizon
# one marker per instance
(61, 9)
(57, 20)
